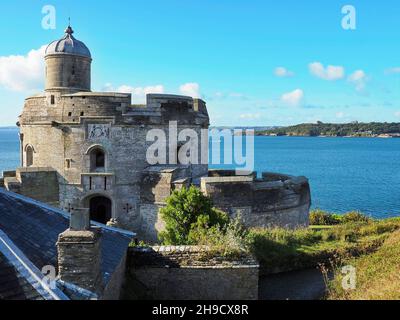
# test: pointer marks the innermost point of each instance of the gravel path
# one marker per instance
(297, 285)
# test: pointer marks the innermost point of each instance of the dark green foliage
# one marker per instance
(188, 213)
(339, 130)
(355, 216)
(323, 218)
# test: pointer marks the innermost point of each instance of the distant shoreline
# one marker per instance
(303, 136)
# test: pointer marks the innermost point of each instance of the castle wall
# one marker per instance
(189, 273)
(37, 183)
(63, 136)
(68, 72)
(274, 201)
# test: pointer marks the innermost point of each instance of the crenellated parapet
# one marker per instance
(273, 200)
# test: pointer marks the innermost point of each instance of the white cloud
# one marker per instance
(141, 91)
(340, 115)
(358, 79)
(397, 114)
(250, 116)
(138, 93)
(23, 73)
(283, 72)
(190, 89)
(392, 70)
(293, 98)
(329, 73)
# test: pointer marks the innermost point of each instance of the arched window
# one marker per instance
(97, 160)
(29, 156)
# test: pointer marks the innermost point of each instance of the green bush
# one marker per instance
(323, 218)
(188, 215)
(355, 216)
(228, 241)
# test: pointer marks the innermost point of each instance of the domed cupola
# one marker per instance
(68, 65)
(68, 45)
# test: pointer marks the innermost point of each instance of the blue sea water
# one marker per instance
(345, 173)
(9, 149)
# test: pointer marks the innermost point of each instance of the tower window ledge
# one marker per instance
(98, 174)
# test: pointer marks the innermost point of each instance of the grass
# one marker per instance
(373, 246)
(377, 274)
(281, 250)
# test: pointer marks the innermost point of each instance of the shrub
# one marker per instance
(229, 241)
(355, 216)
(323, 218)
(187, 216)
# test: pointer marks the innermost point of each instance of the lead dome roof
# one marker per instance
(68, 45)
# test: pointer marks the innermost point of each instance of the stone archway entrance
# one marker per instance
(100, 209)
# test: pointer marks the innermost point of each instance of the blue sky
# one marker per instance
(226, 52)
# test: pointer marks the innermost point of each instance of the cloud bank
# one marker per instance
(23, 72)
(329, 73)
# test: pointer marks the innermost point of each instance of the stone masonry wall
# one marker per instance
(274, 201)
(36, 183)
(189, 273)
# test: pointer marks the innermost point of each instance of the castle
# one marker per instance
(87, 150)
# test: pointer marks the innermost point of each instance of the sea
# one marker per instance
(345, 174)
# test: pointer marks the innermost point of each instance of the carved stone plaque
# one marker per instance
(98, 131)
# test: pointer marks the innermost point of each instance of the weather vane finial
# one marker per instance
(69, 29)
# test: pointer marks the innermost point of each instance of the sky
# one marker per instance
(255, 62)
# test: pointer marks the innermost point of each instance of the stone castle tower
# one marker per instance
(84, 150)
(95, 143)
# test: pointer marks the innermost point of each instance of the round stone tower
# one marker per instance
(88, 150)
(68, 65)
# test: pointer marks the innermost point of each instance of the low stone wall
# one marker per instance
(275, 200)
(189, 273)
(37, 183)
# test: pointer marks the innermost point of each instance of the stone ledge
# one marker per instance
(198, 257)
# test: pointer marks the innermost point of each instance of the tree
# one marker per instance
(188, 210)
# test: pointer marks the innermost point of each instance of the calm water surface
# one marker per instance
(345, 173)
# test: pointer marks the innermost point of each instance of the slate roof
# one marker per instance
(34, 228)
(20, 279)
(13, 285)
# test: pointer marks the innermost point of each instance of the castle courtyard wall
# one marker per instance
(189, 273)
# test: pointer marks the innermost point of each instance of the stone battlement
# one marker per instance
(76, 108)
(273, 200)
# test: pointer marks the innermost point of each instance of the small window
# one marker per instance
(29, 156)
(69, 114)
(73, 70)
(82, 114)
(68, 163)
(100, 159)
(52, 99)
(97, 160)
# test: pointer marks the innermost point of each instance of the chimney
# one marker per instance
(79, 253)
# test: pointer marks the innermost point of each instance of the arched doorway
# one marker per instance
(100, 209)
